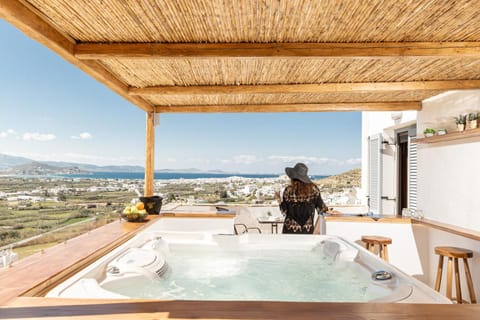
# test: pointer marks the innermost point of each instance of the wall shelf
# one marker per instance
(469, 133)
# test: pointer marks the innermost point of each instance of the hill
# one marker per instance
(39, 168)
(347, 179)
(19, 165)
(7, 161)
(95, 168)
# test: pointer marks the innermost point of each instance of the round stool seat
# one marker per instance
(381, 242)
(454, 252)
(376, 240)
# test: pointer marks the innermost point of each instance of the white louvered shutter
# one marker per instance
(375, 173)
(412, 174)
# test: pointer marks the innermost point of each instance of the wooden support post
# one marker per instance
(149, 154)
(471, 290)
(449, 277)
(438, 281)
(458, 288)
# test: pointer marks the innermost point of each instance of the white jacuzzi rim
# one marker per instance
(402, 291)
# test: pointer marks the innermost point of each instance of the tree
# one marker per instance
(223, 194)
(61, 196)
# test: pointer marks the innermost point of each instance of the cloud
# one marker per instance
(353, 161)
(316, 160)
(28, 136)
(35, 136)
(8, 133)
(82, 136)
(276, 163)
(85, 135)
(240, 159)
(307, 160)
(245, 159)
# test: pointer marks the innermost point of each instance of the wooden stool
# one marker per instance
(455, 254)
(382, 242)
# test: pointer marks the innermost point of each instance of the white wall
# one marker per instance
(438, 112)
(449, 173)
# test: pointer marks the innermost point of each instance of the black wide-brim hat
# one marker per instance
(299, 172)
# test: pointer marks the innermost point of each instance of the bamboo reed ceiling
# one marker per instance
(236, 71)
(227, 21)
(290, 98)
(261, 55)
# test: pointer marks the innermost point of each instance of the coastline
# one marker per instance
(157, 176)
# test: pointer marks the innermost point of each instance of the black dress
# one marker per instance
(299, 211)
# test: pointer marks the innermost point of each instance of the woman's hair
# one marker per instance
(303, 189)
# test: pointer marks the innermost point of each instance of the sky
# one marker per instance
(51, 110)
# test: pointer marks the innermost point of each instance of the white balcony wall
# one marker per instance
(448, 173)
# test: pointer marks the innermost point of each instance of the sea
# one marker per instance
(171, 175)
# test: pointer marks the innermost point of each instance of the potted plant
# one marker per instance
(429, 132)
(441, 132)
(460, 122)
(478, 120)
(472, 120)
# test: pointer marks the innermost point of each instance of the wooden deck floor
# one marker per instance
(28, 275)
(16, 301)
(57, 309)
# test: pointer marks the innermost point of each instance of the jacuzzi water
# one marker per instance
(193, 265)
(273, 274)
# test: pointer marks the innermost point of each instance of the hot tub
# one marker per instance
(201, 265)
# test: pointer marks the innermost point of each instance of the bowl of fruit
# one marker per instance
(134, 213)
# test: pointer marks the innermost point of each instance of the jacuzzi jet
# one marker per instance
(381, 275)
(142, 261)
(113, 269)
(159, 245)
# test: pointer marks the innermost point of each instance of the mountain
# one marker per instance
(11, 161)
(39, 168)
(16, 165)
(95, 168)
(21, 165)
(189, 170)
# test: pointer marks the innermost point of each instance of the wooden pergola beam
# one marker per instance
(303, 107)
(307, 88)
(26, 18)
(277, 50)
(149, 154)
